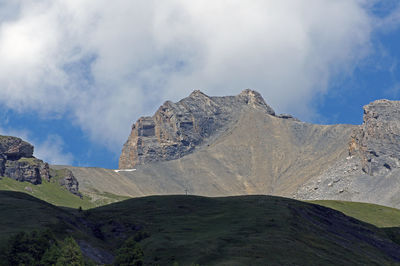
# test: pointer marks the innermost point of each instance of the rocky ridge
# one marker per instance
(176, 129)
(17, 162)
(236, 145)
(371, 171)
(242, 148)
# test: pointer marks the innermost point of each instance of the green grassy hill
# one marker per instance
(377, 215)
(244, 230)
(48, 191)
(21, 212)
(247, 230)
(57, 195)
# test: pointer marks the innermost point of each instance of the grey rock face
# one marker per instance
(69, 181)
(371, 173)
(377, 140)
(27, 169)
(177, 128)
(15, 148)
(17, 162)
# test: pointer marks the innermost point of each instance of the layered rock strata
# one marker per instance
(177, 128)
(17, 162)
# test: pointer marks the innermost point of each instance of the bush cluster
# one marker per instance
(41, 248)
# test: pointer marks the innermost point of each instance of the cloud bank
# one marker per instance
(103, 64)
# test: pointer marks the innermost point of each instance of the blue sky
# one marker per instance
(75, 74)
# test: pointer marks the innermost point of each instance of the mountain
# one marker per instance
(243, 230)
(237, 145)
(176, 129)
(215, 146)
(220, 146)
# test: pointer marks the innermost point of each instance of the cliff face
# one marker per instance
(177, 128)
(377, 140)
(17, 162)
(372, 171)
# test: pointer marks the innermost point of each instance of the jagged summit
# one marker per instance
(177, 128)
(198, 93)
(254, 99)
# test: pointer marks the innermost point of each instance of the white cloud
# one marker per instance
(50, 150)
(105, 64)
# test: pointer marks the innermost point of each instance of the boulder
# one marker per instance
(15, 148)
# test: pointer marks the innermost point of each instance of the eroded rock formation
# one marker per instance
(372, 171)
(177, 128)
(68, 180)
(377, 140)
(17, 162)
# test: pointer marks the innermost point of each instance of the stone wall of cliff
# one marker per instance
(176, 129)
(377, 140)
(17, 162)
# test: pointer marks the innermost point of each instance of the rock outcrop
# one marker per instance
(69, 181)
(177, 128)
(14, 148)
(27, 169)
(371, 171)
(377, 140)
(17, 162)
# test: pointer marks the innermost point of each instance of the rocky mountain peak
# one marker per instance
(377, 140)
(177, 128)
(254, 99)
(198, 94)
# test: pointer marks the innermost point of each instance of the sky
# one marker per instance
(76, 74)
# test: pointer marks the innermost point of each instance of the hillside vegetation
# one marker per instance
(52, 192)
(48, 191)
(244, 230)
(377, 215)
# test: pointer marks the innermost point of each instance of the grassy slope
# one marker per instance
(377, 215)
(21, 212)
(245, 230)
(47, 191)
(59, 196)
